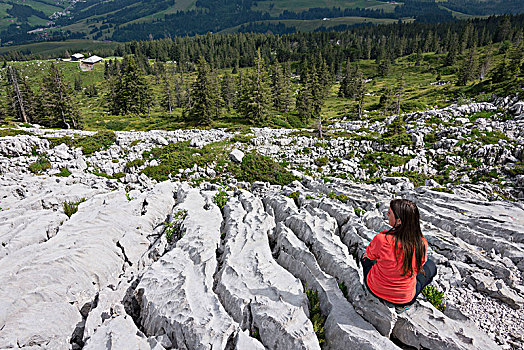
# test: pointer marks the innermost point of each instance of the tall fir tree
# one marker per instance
(203, 95)
(227, 90)
(20, 97)
(130, 93)
(255, 101)
(281, 86)
(304, 103)
(469, 68)
(57, 104)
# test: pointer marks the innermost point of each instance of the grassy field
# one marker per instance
(311, 25)
(57, 47)
(419, 93)
(275, 8)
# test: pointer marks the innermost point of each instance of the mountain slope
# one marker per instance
(124, 20)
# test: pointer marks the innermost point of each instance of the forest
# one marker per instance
(292, 80)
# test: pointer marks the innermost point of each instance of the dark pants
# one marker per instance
(423, 279)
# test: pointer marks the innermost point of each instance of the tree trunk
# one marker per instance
(19, 99)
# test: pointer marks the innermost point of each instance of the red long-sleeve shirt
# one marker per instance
(385, 278)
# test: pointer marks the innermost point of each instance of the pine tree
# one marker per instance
(203, 95)
(386, 99)
(344, 89)
(78, 83)
(227, 91)
(304, 101)
(281, 88)
(469, 68)
(57, 103)
(18, 95)
(399, 91)
(255, 100)
(168, 98)
(130, 92)
(360, 91)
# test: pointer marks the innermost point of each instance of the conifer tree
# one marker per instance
(56, 99)
(227, 90)
(203, 95)
(20, 99)
(360, 91)
(469, 68)
(281, 88)
(304, 104)
(168, 98)
(130, 92)
(255, 100)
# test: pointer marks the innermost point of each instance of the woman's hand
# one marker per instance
(365, 256)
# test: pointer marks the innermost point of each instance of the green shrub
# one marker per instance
(116, 125)
(317, 319)
(434, 296)
(97, 142)
(64, 172)
(72, 207)
(294, 195)
(220, 198)
(341, 197)
(115, 176)
(294, 121)
(359, 212)
(442, 189)
(40, 165)
(134, 143)
(173, 229)
(416, 178)
(242, 138)
(56, 141)
(176, 156)
(342, 286)
(135, 163)
(322, 161)
(256, 167)
(518, 169)
(13, 132)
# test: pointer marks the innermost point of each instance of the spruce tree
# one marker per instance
(469, 68)
(255, 100)
(19, 96)
(130, 92)
(58, 107)
(203, 95)
(280, 84)
(227, 90)
(304, 104)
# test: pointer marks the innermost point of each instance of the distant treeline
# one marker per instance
(365, 42)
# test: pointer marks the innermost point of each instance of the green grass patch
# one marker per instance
(40, 165)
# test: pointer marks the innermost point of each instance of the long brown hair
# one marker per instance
(409, 235)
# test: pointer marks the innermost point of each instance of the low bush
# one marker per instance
(315, 315)
(64, 172)
(40, 165)
(135, 163)
(72, 207)
(173, 229)
(220, 198)
(322, 161)
(256, 167)
(97, 142)
(434, 296)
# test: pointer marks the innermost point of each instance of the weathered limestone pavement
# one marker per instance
(108, 276)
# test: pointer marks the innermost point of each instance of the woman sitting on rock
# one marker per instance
(396, 268)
